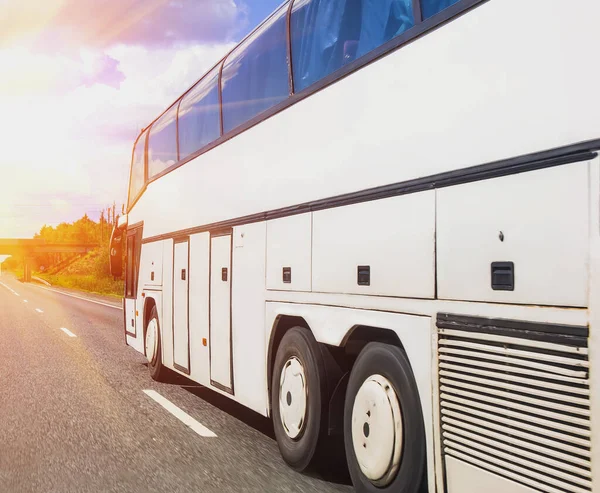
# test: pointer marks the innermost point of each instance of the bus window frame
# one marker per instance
(280, 13)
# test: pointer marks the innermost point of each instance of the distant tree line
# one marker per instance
(84, 230)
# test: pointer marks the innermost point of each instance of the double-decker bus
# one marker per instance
(377, 223)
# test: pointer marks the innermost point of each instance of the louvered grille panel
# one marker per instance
(515, 400)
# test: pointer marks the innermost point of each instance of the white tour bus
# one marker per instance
(377, 222)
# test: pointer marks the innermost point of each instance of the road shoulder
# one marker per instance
(85, 295)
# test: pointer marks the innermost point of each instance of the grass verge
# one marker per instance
(89, 283)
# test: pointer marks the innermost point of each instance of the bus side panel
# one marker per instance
(384, 247)
(289, 246)
(149, 286)
(151, 265)
(463, 477)
(136, 342)
(248, 316)
(199, 307)
(517, 239)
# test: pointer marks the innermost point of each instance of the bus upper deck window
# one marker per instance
(328, 34)
(200, 115)
(162, 142)
(255, 74)
(137, 173)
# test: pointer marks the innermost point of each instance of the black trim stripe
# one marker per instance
(546, 159)
(568, 335)
(419, 29)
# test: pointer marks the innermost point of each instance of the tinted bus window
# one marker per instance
(327, 34)
(255, 74)
(162, 143)
(432, 7)
(200, 115)
(137, 177)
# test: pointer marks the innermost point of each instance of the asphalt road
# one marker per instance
(74, 416)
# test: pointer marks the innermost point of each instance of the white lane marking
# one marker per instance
(10, 289)
(82, 298)
(68, 332)
(39, 311)
(25, 301)
(182, 416)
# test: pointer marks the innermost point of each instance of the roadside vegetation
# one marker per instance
(88, 272)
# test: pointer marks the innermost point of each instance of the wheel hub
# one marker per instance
(293, 397)
(151, 340)
(377, 430)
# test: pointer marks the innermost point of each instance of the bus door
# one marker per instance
(220, 311)
(181, 305)
(133, 246)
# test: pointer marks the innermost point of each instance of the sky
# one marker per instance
(80, 78)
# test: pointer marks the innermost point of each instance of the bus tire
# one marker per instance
(298, 398)
(384, 434)
(153, 348)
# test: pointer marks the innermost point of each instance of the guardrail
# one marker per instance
(41, 280)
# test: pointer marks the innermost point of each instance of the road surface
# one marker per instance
(79, 412)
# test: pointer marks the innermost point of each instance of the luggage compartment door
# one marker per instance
(181, 318)
(220, 312)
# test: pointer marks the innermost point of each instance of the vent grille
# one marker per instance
(515, 400)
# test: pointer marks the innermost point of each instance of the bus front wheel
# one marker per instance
(153, 348)
(384, 435)
(298, 397)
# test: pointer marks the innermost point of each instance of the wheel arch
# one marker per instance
(360, 335)
(148, 305)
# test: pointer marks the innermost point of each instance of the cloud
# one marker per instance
(73, 147)
(80, 78)
(67, 25)
(36, 74)
(152, 80)
(101, 69)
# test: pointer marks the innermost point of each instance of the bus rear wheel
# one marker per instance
(152, 346)
(384, 435)
(298, 398)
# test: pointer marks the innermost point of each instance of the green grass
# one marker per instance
(88, 273)
(18, 272)
(86, 282)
